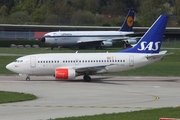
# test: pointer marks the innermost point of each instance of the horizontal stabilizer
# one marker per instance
(161, 54)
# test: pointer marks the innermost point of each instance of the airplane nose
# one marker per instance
(9, 67)
(43, 39)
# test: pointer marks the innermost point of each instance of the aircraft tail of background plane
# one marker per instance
(152, 39)
(128, 22)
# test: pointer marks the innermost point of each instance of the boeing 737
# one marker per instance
(65, 66)
(98, 39)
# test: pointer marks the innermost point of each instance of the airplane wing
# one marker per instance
(161, 54)
(87, 41)
(100, 40)
(92, 69)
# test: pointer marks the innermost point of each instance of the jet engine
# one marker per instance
(65, 74)
(106, 43)
(132, 40)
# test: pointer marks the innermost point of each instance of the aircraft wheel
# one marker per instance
(52, 47)
(87, 78)
(28, 78)
(99, 47)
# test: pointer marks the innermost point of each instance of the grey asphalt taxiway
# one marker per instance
(104, 94)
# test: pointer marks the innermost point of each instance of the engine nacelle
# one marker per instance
(106, 43)
(132, 40)
(65, 74)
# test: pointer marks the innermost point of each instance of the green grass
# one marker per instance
(8, 97)
(47, 50)
(152, 114)
(4, 60)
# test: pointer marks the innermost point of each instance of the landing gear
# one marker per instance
(99, 47)
(27, 78)
(82, 47)
(87, 78)
(52, 47)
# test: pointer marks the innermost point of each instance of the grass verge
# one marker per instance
(8, 97)
(152, 114)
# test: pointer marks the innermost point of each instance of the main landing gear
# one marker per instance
(27, 78)
(87, 78)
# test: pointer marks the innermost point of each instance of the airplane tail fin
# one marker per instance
(152, 39)
(128, 22)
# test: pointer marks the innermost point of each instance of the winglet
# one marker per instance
(152, 39)
(128, 22)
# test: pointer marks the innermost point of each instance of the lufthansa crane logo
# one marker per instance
(130, 21)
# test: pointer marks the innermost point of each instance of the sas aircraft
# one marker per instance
(97, 39)
(65, 66)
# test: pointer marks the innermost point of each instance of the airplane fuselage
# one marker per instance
(70, 38)
(46, 64)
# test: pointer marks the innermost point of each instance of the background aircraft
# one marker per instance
(84, 39)
(69, 65)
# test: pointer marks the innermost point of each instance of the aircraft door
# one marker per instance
(33, 61)
(131, 60)
(55, 38)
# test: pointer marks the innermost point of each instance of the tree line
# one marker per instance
(86, 12)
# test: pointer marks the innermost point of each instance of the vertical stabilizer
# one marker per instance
(128, 22)
(152, 39)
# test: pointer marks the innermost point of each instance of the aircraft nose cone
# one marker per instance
(9, 67)
(43, 39)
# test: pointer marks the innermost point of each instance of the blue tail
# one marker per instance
(128, 22)
(152, 39)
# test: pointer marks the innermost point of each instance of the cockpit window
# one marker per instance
(18, 61)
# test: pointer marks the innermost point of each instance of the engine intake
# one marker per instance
(106, 43)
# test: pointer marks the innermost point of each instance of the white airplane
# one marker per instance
(65, 66)
(83, 39)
